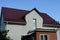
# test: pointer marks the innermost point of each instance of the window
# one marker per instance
(43, 37)
(35, 22)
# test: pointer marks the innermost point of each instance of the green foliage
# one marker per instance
(3, 35)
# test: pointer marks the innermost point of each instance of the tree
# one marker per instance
(3, 35)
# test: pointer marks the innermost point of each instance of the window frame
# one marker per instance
(43, 36)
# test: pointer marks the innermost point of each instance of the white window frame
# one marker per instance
(43, 35)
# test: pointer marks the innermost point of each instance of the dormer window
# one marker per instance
(35, 22)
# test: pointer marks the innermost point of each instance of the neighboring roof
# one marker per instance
(17, 15)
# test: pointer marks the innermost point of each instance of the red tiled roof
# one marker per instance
(16, 15)
(48, 20)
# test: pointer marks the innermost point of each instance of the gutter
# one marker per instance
(52, 25)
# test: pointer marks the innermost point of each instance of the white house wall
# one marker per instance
(16, 31)
(29, 18)
(49, 28)
(58, 34)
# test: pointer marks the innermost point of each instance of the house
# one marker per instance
(30, 25)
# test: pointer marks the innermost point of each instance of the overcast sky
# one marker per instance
(51, 7)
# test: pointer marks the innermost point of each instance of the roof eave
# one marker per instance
(52, 25)
(16, 23)
(45, 30)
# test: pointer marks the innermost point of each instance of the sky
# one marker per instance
(50, 7)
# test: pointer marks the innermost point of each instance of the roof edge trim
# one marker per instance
(52, 25)
(12, 22)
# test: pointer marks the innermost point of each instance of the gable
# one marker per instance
(16, 15)
(34, 19)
